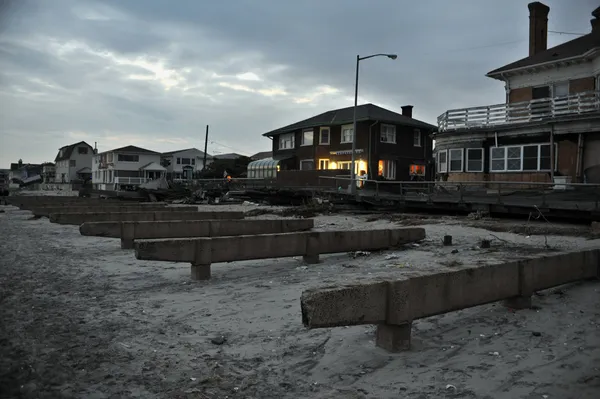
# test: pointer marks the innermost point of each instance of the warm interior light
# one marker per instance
(332, 165)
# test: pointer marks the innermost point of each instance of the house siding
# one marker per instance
(368, 140)
(81, 161)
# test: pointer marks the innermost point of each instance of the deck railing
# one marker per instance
(131, 180)
(521, 112)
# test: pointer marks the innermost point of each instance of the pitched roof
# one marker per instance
(208, 156)
(342, 116)
(231, 155)
(575, 48)
(262, 155)
(68, 150)
(133, 149)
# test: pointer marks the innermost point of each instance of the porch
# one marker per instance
(518, 113)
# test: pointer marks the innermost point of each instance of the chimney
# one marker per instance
(538, 27)
(95, 147)
(407, 111)
(596, 21)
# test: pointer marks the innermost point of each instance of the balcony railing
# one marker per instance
(133, 181)
(521, 112)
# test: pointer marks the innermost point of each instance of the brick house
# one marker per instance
(547, 129)
(389, 145)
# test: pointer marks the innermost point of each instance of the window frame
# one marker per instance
(346, 127)
(462, 160)
(126, 155)
(467, 159)
(328, 129)
(387, 134)
(307, 160)
(324, 160)
(304, 131)
(445, 163)
(417, 133)
(282, 138)
(522, 152)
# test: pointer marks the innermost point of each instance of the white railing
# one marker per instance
(521, 112)
(134, 181)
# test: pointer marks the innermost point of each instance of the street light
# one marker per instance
(352, 167)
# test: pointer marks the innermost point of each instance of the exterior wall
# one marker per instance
(120, 169)
(197, 155)
(81, 161)
(368, 142)
(519, 95)
(565, 160)
(564, 73)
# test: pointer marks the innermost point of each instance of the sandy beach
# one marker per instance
(82, 318)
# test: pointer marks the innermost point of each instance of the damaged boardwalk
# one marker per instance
(83, 317)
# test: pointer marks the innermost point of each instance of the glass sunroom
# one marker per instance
(263, 169)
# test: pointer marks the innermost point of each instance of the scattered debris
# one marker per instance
(455, 251)
(360, 253)
(220, 340)
(536, 333)
(392, 256)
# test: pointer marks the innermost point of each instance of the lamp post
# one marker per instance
(352, 164)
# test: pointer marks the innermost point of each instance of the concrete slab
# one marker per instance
(79, 218)
(131, 231)
(47, 210)
(205, 251)
(399, 302)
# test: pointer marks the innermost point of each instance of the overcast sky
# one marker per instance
(154, 73)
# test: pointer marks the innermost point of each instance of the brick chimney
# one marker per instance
(538, 27)
(596, 21)
(407, 111)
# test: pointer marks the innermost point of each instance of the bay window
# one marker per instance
(474, 160)
(442, 161)
(456, 160)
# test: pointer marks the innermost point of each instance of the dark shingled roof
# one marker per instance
(68, 150)
(134, 149)
(208, 156)
(343, 116)
(571, 49)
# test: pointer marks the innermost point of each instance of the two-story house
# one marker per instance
(184, 164)
(389, 145)
(126, 168)
(74, 162)
(547, 129)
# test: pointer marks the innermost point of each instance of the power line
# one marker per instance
(231, 148)
(567, 33)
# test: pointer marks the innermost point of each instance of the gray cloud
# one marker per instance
(154, 73)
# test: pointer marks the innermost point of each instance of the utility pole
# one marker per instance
(205, 149)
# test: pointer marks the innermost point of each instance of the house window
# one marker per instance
(178, 161)
(344, 165)
(456, 160)
(417, 138)
(347, 134)
(109, 157)
(388, 134)
(324, 136)
(287, 141)
(128, 158)
(498, 159)
(474, 159)
(82, 150)
(193, 161)
(443, 161)
(387, 169)
(186, 161)
(560, 89)
(323, 164)
(72, 163)
(529, 158)
(307, 164)
(307, 137)
(418, 170)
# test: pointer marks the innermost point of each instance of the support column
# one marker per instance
(394, 338)
(127, 235)
(200, 269)
(311, 255)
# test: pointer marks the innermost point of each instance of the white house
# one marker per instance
(74, 162)
(182, 164)
(126, 167)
